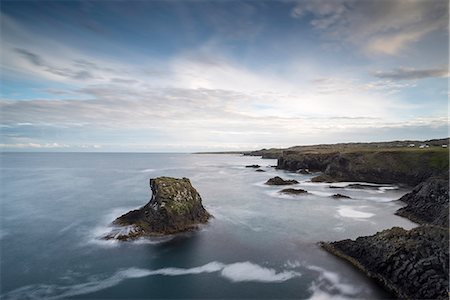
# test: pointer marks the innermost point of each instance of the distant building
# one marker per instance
(411, 145)
(444, 146)
(424, 146)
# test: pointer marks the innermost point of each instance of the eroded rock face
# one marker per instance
(427, 203)
(413, 264)
(175, 207)
(408, 167)
(280, 181)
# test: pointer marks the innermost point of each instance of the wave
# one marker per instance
(348, 212)
(235, 272)
(329, 285)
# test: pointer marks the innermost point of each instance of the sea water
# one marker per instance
(260, 243)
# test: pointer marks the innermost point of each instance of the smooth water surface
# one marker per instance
(261, 244)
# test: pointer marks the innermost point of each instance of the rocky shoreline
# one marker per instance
(413, 264)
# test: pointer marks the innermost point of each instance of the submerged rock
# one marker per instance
(280, 181)
(337, 196)
(253, 166)
(294, 191)
(175, 206)
(259, 170)
(427, 203)
(359, 186)
(413, 264)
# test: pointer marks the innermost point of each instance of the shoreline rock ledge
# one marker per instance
(175, 207)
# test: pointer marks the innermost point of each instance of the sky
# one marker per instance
(183, 76)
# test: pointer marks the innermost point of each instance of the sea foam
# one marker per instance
(235, 272)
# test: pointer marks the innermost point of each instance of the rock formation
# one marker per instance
(294, 191)
(337, 196)
(413, 264)
(253, 166)
(280, 181)
(175, 207)
(427, 203)
(377, 166)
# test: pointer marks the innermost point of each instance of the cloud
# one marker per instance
(411, 74)
(377, 27)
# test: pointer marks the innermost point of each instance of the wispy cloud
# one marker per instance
(378, 27)
(411, 74)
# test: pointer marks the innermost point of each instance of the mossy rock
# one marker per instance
(175, 207)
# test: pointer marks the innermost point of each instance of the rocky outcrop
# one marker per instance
(413, 264)
(378, 166)
(280, 181)
(314, 162)
(259, 170)
(427, 203)
(253, 166)
(175, 206)
(337, 196)
(293, 191)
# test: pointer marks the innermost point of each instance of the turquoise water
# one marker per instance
(55, 206)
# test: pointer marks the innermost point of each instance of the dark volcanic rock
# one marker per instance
(413, 264)
(428, 203)
(175, 207)
(280, 181)
(337, 196)
(259, 170)
(253, 166)
(293, 191)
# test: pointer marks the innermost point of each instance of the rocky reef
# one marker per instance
(337, 196)
(175, 206)
(293, 191)
(412, 264)
(253, 166)
(427, 203)
(280, 181)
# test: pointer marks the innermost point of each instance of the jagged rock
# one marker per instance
(175, 206)
(259, 170)
(294, 191)
(337, 196)
(280, 181)
(427, 203)
(413, 264)
(253, 166)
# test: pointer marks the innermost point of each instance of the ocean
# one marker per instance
(260, 243)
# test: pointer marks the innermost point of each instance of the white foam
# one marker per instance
(330, 282)
(246, 271)
(348, 212)
(236, 272)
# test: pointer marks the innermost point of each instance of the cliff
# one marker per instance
(175, 206)
(408, 166)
